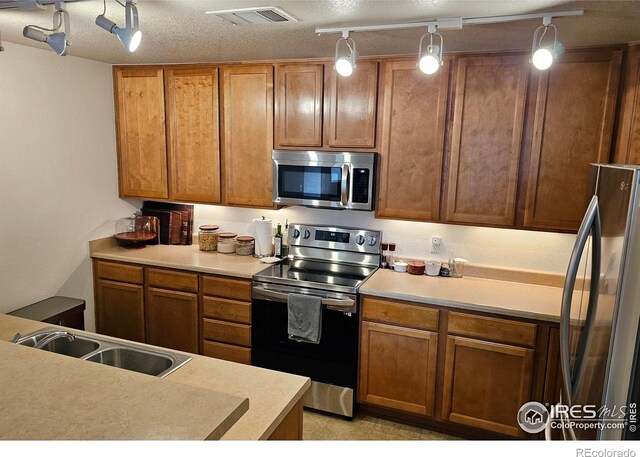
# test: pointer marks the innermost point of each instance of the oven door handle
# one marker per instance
(346, 305)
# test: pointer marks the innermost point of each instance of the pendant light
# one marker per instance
(345, 63)
(130, 36)
(430, 61)
(542, 57)
(58, 41)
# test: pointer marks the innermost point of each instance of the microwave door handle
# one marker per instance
(344, 187)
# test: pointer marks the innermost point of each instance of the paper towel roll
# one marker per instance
(261, 229)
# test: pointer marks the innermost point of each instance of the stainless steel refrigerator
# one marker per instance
(599, 342)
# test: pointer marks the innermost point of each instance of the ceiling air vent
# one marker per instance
(261, 15)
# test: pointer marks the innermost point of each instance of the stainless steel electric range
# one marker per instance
(331, 263)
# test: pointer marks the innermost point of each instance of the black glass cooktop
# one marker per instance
(315, 274)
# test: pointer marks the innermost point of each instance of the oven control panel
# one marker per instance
(335, 238)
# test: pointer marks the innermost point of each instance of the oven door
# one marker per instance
(332, 364)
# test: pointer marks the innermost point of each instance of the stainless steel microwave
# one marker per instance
(337, 180)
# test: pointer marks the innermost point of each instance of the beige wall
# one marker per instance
(513, 249)
(58, 174)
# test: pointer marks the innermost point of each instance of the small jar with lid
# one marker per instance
(245, 245)
(208, 237)
(227, 243)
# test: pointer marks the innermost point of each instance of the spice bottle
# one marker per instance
(390, 259)
(383, 258)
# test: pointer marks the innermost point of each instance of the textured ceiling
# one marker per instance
(178, 31)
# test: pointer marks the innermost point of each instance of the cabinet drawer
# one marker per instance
(227, 332)
(239, 289)
(226, 352)
(227, 310)
(400, 313)
(174, 280)
(119, 272)
(490, 328)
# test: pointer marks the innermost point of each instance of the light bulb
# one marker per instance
(429, 64)
(542, 58)
(343, 66)
(135, 41)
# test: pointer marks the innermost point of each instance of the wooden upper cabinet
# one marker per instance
(488, 120)
(352, 107)
(398, 368)
(412, 140)
(298, 105)
(192, 131)
(628, 139)
(573, 121)
(142, 152)
(247, 135)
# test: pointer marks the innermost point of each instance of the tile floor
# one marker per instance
(319, 426)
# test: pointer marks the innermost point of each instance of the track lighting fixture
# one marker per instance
(129, 36)
(542, 57)
(346, 62)
(58, 41)
(430, 61)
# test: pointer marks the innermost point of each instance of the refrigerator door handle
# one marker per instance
(588, 222)
(594, 291)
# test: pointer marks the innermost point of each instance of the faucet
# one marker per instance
(52, 336)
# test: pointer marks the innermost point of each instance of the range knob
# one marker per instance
(360, 240)
(306, 234)
(372, 240)
(295, 233)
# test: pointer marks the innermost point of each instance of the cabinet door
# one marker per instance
(120, 310)
(247, 131)
(485, 384)
(628, 144)
(412, 140)
(142, 151)
(298, 99)
(172, 319)
(352, 107)
(192, 123)
(398, 367)
(573, 122)
(487, 131)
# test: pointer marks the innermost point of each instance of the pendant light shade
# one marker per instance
(130, 36)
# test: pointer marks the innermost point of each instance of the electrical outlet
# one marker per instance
(436, 244)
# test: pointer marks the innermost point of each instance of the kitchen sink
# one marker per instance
(77, 347)
(106, 351)
(133, 359)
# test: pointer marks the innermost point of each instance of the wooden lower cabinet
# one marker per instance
(291, 426)
(398, 367)
(464, 372)
(486, 383)
(226, 322)
(172, 319)
(120, 309)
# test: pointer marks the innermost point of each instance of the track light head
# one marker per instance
(345, 62)
(130, 36)
(430, 61)
(60, 42)
(542, 57)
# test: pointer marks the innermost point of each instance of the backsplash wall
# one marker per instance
(513, 249)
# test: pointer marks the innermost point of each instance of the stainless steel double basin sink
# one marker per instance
(106, 351)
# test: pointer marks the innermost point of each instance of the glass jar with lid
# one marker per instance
(227, 243)
(208, 237)
(245, 245)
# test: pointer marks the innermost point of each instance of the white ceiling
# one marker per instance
(178, 31)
